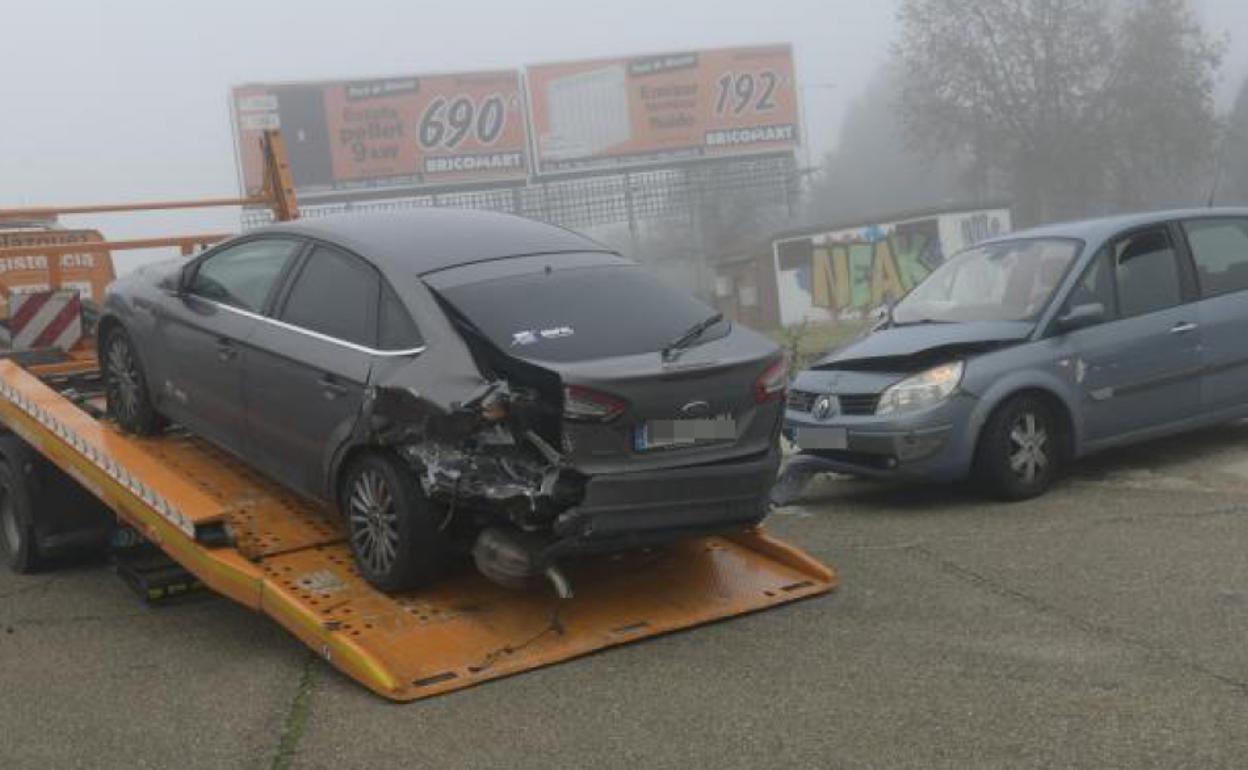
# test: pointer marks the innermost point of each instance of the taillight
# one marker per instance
(590, 405)
(771, 383)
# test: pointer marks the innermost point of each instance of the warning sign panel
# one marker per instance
(89, 272)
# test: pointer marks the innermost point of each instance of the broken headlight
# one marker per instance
(922, 390)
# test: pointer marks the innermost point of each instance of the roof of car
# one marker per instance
(426, 240)
(1096, 231)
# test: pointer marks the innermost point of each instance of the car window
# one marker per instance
(1097, 287)
(1002, 281)
(1147, 272)
(1220, 249)
(396, 330)
(243, 275)
(335, 294)
(580, 314)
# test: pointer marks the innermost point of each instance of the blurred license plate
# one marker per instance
(822, 438)
(668, 434)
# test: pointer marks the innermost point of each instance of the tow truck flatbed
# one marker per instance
(256, 543)
(260, 545)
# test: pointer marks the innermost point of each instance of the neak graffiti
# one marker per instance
(867, 273)
(846, 273)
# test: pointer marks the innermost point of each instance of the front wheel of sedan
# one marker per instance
(397, 535)
(125, 386)
(1019, 450)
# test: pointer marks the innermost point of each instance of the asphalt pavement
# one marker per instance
(1103, 625)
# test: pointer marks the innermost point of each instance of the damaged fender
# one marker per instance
(470, 448)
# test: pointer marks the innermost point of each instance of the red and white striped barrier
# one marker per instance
(41, 320)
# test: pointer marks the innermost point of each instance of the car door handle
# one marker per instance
(1184, 328)
(226, 351)
(332, 388)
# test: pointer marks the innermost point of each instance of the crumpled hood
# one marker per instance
(906, 346)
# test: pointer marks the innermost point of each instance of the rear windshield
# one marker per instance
(580, 314)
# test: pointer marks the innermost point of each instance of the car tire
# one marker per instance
(17, 526)
(1019, 453)
(125, 386)
(397, 535)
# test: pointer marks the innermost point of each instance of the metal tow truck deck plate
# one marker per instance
(286, 559)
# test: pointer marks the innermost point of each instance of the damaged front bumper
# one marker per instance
(933, 444)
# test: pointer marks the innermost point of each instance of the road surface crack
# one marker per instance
(1040, 606)
(297, 717)
(41, 586)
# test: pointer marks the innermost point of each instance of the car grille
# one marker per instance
(859, 404)
(852, 404)
(801, 401)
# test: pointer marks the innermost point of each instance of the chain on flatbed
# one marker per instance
(286, 558)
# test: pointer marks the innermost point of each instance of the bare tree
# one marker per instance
(1161, 117)
(1083, 105)
(1235, 153)
(874, 171)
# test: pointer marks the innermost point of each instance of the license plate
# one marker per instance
(822, 438)
(672, 434)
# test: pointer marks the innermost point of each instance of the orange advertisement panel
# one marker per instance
(400, 133)
(89, 272)
(614, 113)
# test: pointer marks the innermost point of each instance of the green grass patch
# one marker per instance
(807, 342)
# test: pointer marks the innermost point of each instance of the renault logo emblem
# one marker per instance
(825, 407)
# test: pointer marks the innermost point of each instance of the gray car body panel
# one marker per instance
(300, 403)
(1120, 382)
(444, 372)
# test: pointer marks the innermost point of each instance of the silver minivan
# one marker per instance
(1023, 353)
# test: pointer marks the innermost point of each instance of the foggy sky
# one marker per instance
(128, 99)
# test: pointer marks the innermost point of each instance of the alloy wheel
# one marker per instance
(1029, 447)
(123, 378)
(374, 521)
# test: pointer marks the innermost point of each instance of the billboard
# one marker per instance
(609, 114)
(399, 134)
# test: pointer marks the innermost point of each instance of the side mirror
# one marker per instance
(1081, 317)
(185, 274)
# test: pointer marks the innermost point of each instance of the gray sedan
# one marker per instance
(450, 380)
(1023, 353)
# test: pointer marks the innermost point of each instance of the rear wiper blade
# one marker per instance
(688, 338)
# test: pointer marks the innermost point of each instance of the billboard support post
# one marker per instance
(632, 215)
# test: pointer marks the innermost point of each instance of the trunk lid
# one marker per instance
(699, 408)
(599, 323)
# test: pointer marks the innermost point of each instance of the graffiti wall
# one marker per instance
(846, 273)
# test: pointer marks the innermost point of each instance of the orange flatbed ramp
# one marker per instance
(290, 561)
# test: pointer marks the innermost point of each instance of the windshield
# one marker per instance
(580, 314)
(1007, 281)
